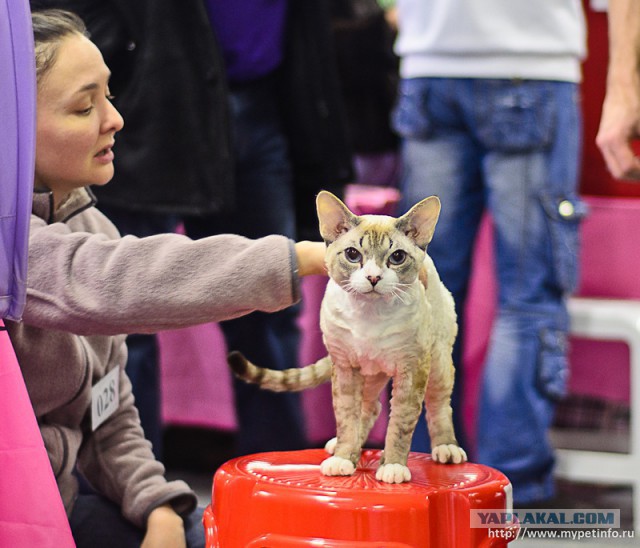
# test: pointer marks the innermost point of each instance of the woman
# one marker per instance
(88, 288)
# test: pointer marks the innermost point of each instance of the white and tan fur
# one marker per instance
(385, 315)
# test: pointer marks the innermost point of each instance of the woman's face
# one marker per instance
(75, 122)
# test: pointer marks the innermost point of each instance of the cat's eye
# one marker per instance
(398, 257)
(352, 255)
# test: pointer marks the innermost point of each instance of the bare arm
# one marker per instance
(310, 257)
(165, 529)
(620, 121)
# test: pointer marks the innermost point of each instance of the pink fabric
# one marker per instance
(31, 511)
(478, 321)
(363, 199)
(195, 379)
(610, 260)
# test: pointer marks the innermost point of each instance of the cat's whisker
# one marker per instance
(399, 294)
(348, 286)
(402, 288)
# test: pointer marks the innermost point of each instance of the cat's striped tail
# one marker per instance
(286, 380)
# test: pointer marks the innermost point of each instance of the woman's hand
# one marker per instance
(310, 256)
(165, 529)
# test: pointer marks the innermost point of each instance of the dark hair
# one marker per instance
(50, 27)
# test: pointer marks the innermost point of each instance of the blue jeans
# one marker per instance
(267, 421)
(512, 147)
(96, 522)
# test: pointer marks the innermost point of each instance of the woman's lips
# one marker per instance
(105, 156)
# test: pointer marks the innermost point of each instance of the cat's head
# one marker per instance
(375, 254)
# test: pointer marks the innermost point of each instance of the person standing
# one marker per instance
(489, 116)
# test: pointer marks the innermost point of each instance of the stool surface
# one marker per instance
(283, 495)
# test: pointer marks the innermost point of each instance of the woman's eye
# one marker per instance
(398, 257)
(352, 255)
(85, 111)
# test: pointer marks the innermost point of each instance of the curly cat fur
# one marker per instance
(385, 315)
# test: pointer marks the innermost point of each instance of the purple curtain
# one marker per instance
(17, 147)
(31, 511)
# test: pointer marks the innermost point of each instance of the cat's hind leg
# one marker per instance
(330, 446)
(449, 453)
(346, 386)
(444, 446)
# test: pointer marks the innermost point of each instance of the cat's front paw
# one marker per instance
(393, 473)
(337, 466)
(330, 446)
(449, 453)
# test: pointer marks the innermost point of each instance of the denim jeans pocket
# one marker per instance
(553, 365)
(563, 215)
(410, 117)
(516, 116)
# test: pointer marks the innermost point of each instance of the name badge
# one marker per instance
(105, 398)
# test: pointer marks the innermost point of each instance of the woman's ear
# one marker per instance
(335, 217)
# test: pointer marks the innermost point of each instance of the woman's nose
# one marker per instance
(113, 119)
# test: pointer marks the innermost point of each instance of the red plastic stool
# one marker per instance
(281, 500)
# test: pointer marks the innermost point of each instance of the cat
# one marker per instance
(385, 315)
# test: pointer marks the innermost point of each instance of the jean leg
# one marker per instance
(98, 523)
(441, 159)
(194, 529)
(444, 167)
(143, 362)
(267, 421)
(514, 417)
(526, 369)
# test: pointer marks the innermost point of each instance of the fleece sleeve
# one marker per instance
(92, 284)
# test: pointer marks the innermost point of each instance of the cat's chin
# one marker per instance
(375, 294)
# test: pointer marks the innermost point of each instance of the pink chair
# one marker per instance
(607, 308)
(605, 324)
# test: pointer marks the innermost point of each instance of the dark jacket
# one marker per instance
(174, 153)
(368, 71)
(314, 114)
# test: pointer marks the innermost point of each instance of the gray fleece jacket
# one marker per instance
(87, 288)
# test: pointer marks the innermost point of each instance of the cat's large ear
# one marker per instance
(420, 221)
(335, 217)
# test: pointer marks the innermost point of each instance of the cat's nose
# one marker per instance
(373, 279)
